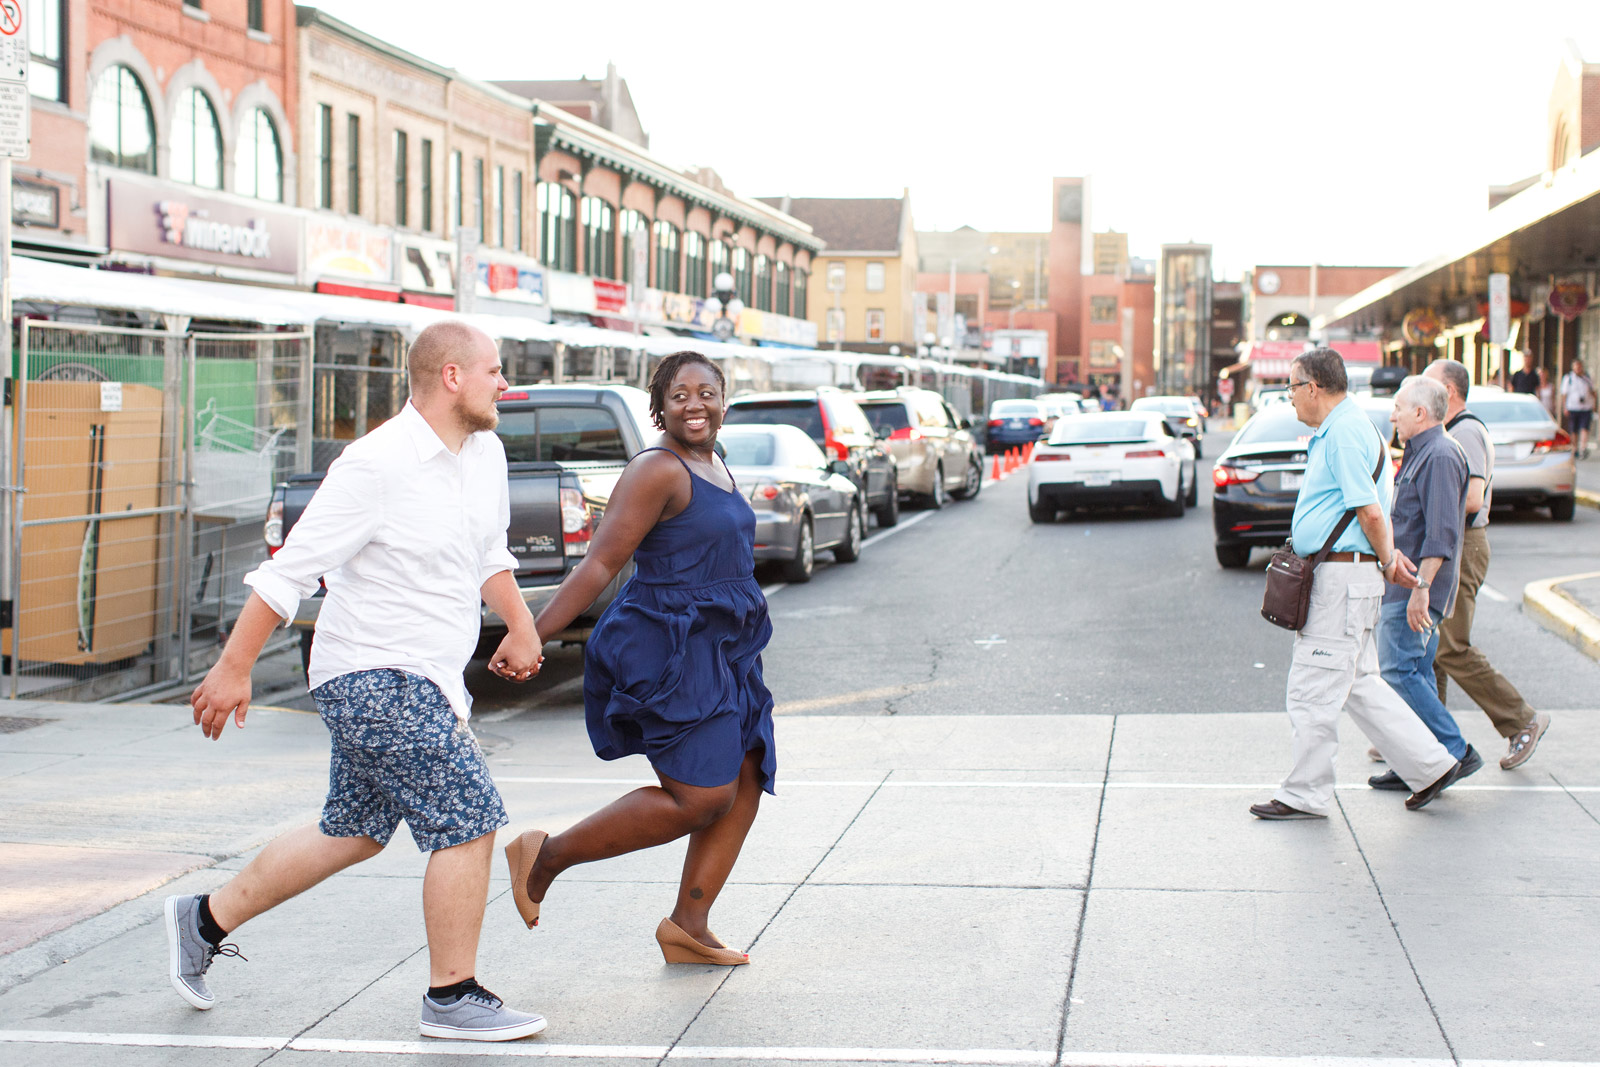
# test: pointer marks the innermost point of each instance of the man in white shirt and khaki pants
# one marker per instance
(408, 531)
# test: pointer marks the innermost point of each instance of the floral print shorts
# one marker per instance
(400, 752)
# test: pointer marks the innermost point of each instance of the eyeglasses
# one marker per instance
(1292, 386)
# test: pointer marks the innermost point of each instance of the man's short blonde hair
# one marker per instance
(443, 343)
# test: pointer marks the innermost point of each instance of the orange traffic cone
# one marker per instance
(998, 473)
(1011, 460)
(1027, 453)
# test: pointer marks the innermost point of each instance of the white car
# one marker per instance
(1111, 457)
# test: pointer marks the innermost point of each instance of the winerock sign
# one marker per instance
(178, 222)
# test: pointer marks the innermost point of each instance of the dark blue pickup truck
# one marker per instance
(566, 446)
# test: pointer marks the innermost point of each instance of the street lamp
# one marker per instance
(1011, 316)
(729, 306)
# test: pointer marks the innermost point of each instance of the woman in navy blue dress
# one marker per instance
(673, 667)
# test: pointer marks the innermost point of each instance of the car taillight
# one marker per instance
(996, 422)
(1044, 456)
(514, 395)
(838, 448)
(1148, 453)
(577, 523)
(272, 530)
(1222, 476)
(906, 433)
(764, 489)
(1561, 442)
(1035, 422)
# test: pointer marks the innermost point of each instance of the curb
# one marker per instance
(1587, 498)
(1562, 616)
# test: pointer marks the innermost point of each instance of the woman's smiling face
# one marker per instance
(694, 406)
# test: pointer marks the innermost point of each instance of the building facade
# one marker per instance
(196, 98)
(867, 275)
(1069, 215)
(1183, 326)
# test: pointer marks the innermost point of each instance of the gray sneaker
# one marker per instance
(1524, 741)
(189, 955)
(478, 1016)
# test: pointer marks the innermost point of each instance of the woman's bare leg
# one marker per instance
(712, 853)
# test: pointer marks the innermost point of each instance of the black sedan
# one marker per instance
(1257, 479)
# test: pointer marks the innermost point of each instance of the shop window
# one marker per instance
(668, 277)
(196, 141)
(425, 163)
(258, 160)
(500, 207)
(694, 263)
(402, 178)
(762, 282)
(599, 238)
(352, 166)
(454, 179)
(1102, 309)
(516, 211)
(255, 15)
(875, 322)
(801, 280)
(741, 275)
(874, 277)
(634, 231)
(122, 130)
(46, 36)
(780, 302)
(479, 214)
(558, 217)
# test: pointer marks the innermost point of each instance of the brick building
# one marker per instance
(189, 94)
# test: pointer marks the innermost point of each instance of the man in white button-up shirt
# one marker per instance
(408, 531)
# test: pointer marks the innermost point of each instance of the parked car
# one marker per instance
(935, 455)
(1257, 478)
(1267, 395)
(804, 502)
(1534, 465)
(1014, 423)
(1112, 457)
(838, 426)
(1183, 414)
(566, 446)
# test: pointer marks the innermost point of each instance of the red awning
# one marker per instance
(1359, 351)
(365, 292)
(429, 300)
(1269, 360)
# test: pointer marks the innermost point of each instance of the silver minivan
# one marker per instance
(934, 452)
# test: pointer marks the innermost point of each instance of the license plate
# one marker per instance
(1290, 481)
(1097, 478)
(1505, 453)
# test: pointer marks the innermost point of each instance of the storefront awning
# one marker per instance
(1269, 360)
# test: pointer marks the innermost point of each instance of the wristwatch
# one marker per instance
(1422, 585)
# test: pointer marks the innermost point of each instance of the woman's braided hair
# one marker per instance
(667, 370)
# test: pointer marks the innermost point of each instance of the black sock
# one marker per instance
(208, 924)
(449, 994)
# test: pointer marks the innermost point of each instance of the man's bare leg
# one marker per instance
(454, 893)
(289, 865)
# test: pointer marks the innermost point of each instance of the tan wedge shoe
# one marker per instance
(679, 947)
(520, 857)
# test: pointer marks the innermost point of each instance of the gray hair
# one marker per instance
(1325, 367)
(1425, 393)
(1453, 373)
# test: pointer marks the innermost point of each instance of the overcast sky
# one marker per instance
(1353, 132)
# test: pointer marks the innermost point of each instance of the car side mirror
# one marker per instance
(966, 424)
(839, 466)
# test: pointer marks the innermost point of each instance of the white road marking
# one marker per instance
(989, 642)
(1493, 594)
(904, 524)
(538, 1050)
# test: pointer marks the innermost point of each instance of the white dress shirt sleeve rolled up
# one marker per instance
(343, 516)
(497, 555)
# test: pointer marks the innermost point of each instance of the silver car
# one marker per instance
(935, 456)
(1533, 460)
(804, 502)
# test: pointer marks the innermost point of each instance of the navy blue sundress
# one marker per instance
(673, 667)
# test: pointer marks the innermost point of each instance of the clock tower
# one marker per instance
(1069, 211)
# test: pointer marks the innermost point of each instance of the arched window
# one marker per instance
(259, 159)
(599, 238)
(196, 141)
(669, 278)
(122, 130)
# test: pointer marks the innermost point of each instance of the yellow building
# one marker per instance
(862, 282)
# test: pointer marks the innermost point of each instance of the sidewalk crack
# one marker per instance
(1088, 886)
(773, 918)
(1401, 941)
(1581, 805)
(298, 1034)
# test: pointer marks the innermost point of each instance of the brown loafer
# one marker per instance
(1423, 797)
(1277, 809)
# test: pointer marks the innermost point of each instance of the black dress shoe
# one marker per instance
(1423, 797)
(1470, 763)
(1390, 781)
(1277, 809)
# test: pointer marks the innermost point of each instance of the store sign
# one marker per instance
(177, 222)
(1568, 299)
(425, 265)
(336, 249)
(511, 281)
(1421, 326)
(35, 205)
(609, 295)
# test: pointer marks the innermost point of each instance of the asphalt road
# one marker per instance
(976, 610)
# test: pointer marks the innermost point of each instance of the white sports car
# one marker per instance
(1111, 457)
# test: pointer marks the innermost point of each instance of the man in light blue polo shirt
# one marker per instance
(1335, 664)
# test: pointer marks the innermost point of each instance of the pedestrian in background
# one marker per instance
(1335, 662)
(1547, 392)
(1526, 380)
(1577, 400)
(1458, 657)
(673, 668)
(1429, 519)
(408, 531)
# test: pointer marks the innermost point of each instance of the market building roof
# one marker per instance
(849, 224)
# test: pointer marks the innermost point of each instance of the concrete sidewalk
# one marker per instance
(958, 889)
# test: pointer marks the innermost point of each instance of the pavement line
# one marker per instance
(538, 1050)
(1493, 594)
(900, 784)
(793, 707)
(903, 524)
